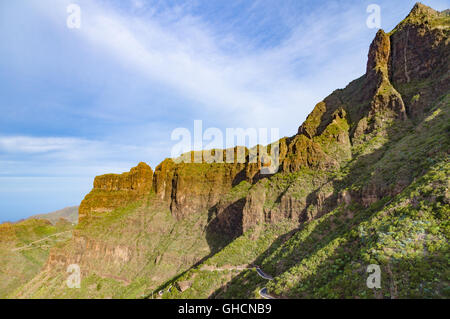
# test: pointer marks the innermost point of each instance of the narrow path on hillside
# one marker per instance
(39, 240)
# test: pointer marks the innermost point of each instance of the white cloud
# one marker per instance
(244, 85)
(33, 145)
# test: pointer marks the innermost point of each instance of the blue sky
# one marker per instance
(76, 103)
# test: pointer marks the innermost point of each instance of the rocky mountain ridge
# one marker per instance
(160, 224)
(359, 110)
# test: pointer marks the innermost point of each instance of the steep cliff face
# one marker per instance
(420, 58)
(112, 191)
(193, 187)
(163, 180)
(200, 186)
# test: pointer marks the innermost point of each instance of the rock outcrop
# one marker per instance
(420, 56)
(193, 187)
(198, 187)
(112, 191)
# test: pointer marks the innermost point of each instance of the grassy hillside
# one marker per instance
(24, 249)
(154, 245)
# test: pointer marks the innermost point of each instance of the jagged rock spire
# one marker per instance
(420, 9)
(379, 53)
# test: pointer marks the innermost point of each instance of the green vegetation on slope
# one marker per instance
(407, 234)
(137, 248)
(24, 249)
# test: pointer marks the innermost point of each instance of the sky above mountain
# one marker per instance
(76, 103)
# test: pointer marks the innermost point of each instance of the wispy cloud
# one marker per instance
(244, 84)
